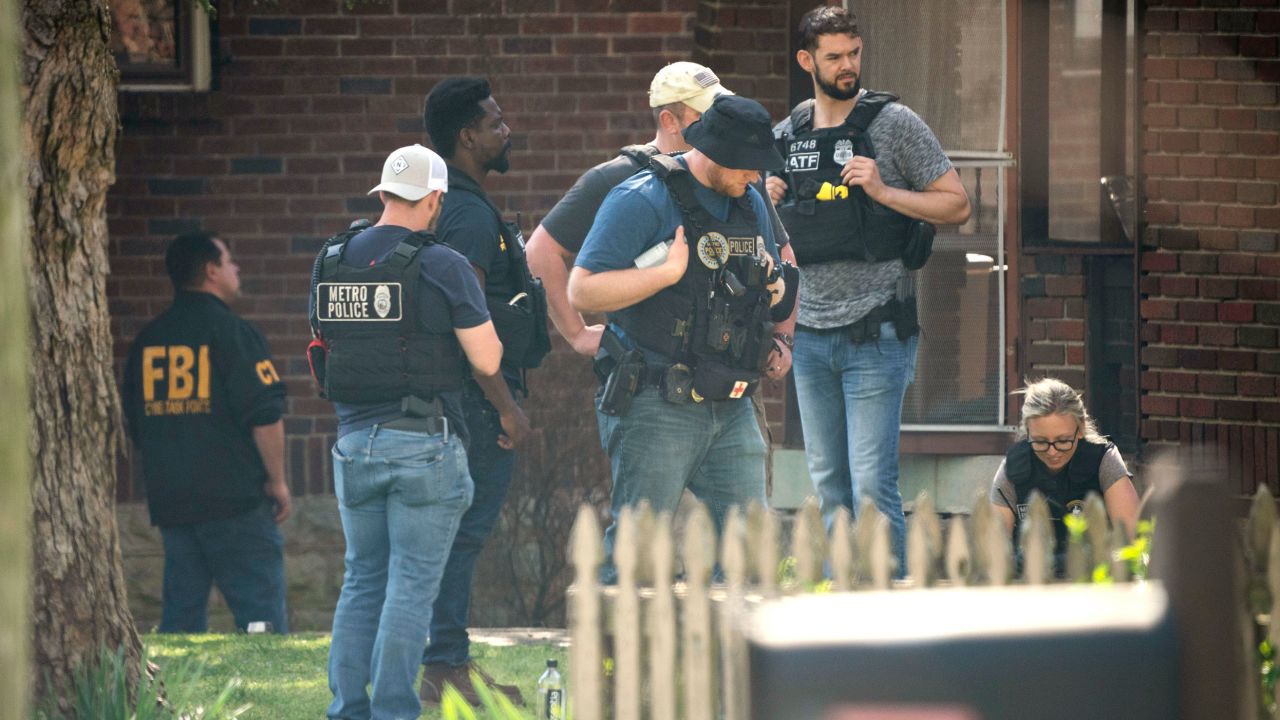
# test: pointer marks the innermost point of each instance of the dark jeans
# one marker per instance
(491, 468)
(243, 554)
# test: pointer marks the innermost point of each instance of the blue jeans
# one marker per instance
(400, 495)
(243, 554)
(850, 398)
(491, 468)
(657, 449)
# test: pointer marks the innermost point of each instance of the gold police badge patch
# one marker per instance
(713, 250)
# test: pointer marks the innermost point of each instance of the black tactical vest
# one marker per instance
(1065, 490)
(843, 223)
(521, 319)
(368, 318)
(715, 319)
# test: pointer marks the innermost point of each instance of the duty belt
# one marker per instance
(864, 328)
(424, 416)
(430, 425)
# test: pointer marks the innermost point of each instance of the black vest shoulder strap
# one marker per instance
(802, 117)
(868, 107)
(1017, 463)
(678, 181)
(408, 248)
(1086, 463)
(639, 155)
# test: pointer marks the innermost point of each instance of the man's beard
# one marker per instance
(502, 163)
(833, 91)
(717, 181)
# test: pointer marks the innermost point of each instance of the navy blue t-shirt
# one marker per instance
(448, 297)
(640, 213)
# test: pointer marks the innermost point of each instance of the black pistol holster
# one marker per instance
(620, 370)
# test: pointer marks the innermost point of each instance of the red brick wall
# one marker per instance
(1211, 286)
(311, 98)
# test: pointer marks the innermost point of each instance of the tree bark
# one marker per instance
(15, 488)
(70, 121)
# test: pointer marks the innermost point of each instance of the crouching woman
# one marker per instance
(1060, 454)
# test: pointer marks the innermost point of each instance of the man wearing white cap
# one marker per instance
(399, 318)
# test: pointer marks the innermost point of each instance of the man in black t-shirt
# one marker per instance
(204, 405)
(467, 128)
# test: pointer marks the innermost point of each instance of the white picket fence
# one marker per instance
(1262, 582)
(662, 630)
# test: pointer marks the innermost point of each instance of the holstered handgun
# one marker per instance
(623, 380)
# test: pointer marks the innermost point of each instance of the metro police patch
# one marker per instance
(359, 302)
(713, 250)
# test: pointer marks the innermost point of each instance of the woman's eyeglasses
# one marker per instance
(1059, 445)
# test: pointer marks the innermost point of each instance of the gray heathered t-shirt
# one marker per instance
(909, 156)
(571, 219)
(1110, 470)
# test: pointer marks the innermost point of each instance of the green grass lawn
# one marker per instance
(284, 677)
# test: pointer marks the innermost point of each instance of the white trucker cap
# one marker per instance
(412, 173)
(687, 82)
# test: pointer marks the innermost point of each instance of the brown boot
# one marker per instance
(437, 675)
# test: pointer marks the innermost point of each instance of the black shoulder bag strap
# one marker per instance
(639, 155)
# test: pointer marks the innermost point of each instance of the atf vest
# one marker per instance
(715, 319)
(367, 317)
(826, 219)
(1065, 490)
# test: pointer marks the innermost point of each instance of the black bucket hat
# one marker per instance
(735, 132)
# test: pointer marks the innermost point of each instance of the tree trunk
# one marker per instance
(70, 121)
(15, 497)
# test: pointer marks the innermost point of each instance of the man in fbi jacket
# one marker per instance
(204, 404)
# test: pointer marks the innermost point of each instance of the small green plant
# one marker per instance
(100, 689)
(1267, 672)
(1138, 553)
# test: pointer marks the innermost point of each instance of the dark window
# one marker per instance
(1077, 94)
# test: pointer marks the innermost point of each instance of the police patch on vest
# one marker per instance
(368, 302)
(742, 246)
(713, 250)
(1075, 507)
(843, 152)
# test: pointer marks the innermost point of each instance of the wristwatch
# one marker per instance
(786, 339)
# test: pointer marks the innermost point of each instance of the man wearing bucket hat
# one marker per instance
(678, 95)
(400, 317)
(683, 259)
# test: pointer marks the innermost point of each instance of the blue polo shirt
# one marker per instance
(640, 213)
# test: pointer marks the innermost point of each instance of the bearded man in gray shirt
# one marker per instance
(864, 175)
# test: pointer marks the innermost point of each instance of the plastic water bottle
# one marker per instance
(550, 694)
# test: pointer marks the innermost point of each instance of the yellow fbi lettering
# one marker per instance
(183, 375)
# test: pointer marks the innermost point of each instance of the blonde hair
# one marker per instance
(1051, 396)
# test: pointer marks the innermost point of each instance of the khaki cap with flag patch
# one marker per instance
(687, 82)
